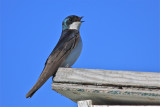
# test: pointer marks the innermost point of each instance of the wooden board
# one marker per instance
(108, 87)
(88, 103)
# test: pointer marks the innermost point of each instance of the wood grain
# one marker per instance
(107, 87)
(105, 77)
(88, 103)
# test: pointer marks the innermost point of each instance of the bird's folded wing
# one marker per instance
(67, 42)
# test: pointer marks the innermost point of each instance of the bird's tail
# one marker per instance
(42, 79)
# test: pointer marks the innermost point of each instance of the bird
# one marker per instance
(65, 53)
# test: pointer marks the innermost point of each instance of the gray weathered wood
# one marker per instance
(95, 76)
(108, 87)
(88, 103)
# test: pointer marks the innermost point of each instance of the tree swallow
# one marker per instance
(65, 53)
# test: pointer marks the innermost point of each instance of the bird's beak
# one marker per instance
(80, 19)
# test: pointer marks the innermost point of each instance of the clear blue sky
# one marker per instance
(117, 35)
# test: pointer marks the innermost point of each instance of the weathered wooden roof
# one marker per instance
(108, 86)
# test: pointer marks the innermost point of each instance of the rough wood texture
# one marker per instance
(108, 87)
(88, 103)
(95, 76)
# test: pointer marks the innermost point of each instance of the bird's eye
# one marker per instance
(70, 19)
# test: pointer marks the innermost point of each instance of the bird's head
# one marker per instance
(72, 22)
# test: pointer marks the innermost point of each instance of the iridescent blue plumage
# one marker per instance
(64, 24)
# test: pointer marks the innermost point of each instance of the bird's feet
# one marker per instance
(68, 66)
